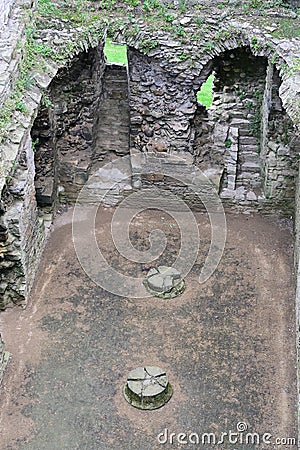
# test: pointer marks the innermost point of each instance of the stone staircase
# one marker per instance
(113, 114)
(248, 163)
(110, 177)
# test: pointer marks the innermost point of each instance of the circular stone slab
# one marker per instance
(164, 282)
(147, 388)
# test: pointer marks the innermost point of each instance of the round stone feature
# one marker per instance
(164, 282)
(147, 388)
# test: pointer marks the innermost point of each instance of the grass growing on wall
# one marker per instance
(204, 96)
(115, 53)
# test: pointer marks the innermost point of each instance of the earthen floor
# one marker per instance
(228, 346)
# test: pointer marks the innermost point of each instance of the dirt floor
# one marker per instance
(228, 347)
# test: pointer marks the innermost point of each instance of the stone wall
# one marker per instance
(21, 229)
(162, 106)
(281, 152)
(5, 8)
(11, 35)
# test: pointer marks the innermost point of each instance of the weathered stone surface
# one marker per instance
(4, 358)
(164, 282)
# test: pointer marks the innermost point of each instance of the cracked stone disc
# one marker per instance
(147, 388)
(164, 282)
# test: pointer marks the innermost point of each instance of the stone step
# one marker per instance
(113, 131)
(250, 167)
(243, 161)
(105, 135)
(248, 140)
(239, 122)
(237, 114)
(244, 132)
(121, 114)
(112, 93)
(246, 176)
(122, 77)
(115, 97)
(117, 121)
(113, 122)
(108, 139)
(248, 148)
(115, 70)
(113, 104)
(122, 81)
(101, 143)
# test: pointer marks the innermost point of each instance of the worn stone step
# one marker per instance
(116, 84)
(122, 115)
(113, 120)
(250, 167)
(111, 80)
(237, 114)
(108, 143)
(120, 112)
(239, 122)
(116, 130)
(246, 176)
(248, 148)
(244, 132)
(248, 140)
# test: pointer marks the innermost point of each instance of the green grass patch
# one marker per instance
(115, 53)
(204, 96)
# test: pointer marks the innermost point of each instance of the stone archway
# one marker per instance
(246, 136)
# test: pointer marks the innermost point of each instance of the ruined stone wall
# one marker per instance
(11, 35)
(5, 8)
(281, 152)
(22, 230)
(162, 106)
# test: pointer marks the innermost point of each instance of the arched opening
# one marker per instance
(245, 135)
(82, 124)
